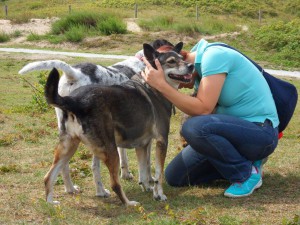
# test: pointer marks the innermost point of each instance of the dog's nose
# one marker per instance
(191, 66)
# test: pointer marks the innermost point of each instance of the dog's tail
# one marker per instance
(51, 89)
(50, 64)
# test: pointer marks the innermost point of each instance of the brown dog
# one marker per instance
(128, 115)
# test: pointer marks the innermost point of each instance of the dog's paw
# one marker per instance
(103, 193)
(126, 176)
(160, 197)
(54, 202)
(132, 203)
(74, 190)
(145, 186)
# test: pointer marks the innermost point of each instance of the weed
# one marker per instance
(9, 139)
(11, 168)
(23, 17)
(38, 101)
(34, 37)
(54, 212)
(16, 34)
(294, 221)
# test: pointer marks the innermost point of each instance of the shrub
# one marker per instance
(87, 19)
(4, 37)
(105, 23)
(75, 33)
(112, 26)
(279, 36)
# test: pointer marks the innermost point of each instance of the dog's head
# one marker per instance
(175, 68)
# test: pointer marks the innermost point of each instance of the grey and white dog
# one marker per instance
(83, 74)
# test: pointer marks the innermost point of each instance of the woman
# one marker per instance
(233, 124)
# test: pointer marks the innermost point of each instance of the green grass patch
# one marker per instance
(189, 26)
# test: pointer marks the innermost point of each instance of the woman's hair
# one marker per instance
(167, 48)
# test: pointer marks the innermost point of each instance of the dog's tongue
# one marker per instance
(188, 76)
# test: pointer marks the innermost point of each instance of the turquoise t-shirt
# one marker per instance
(245, 93)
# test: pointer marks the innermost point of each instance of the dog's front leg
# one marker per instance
(160, 156)
(143, 155)
(125, 173)
(100, 190)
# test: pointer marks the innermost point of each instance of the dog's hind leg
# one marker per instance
(160, 156)
(143, 155)
(100, 190)
(69, 187)
(125, 173)
(63, 153)
(111, 159)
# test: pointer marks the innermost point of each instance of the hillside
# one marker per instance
(272, 39)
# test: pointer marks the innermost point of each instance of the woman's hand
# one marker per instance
(154, 77)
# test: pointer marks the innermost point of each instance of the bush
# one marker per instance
(87, 19)
(279, 36)
(4, 37)
(75, 33)
(111, 26)
(283, 39)
(105, 23)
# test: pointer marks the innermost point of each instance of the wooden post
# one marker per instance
(135, 10)
(259, 15)
(6, 11)
(70, 9)
(197, 12)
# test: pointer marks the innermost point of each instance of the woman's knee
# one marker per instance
(193, 127)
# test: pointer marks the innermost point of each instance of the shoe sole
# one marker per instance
(258, 185)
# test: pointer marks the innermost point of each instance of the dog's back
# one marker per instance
(121, 107)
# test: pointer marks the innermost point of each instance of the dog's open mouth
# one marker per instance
(182, 78)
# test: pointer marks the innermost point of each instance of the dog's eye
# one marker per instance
(171, 61)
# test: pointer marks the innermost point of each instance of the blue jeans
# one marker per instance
(220, 147)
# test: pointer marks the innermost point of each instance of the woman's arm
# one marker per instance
(207, 96)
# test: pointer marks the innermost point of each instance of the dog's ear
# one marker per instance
(178, 47)
(150, 53)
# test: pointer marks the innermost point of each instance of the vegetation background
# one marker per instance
(28, 129)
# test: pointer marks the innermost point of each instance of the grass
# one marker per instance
(28, 137)
(27, 140)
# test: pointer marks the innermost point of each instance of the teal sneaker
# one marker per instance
(246, 188)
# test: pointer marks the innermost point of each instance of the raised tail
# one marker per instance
(69, 71)
(66, 103)
(51, 90)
